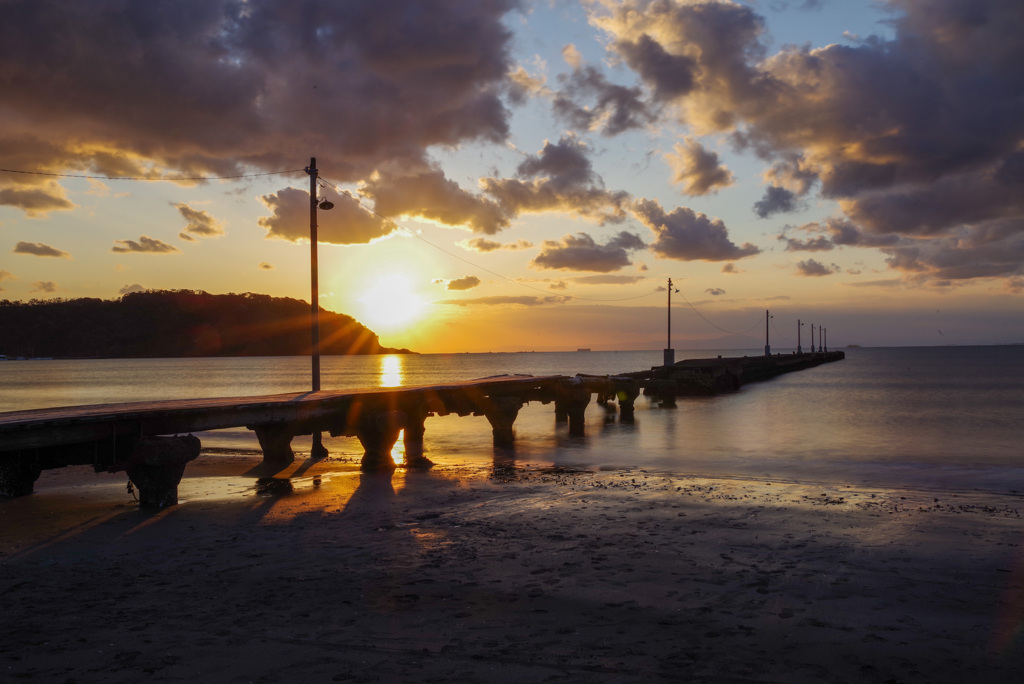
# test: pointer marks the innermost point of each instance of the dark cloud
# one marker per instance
(916, 134)
(485, 245)
(218, 86)
(686, 235)
(465, 283)
(715, 291)
(128, 289)
(199, 222)
(524, 300)
(671, 75)
(265, 266)
(581, 252)
(40, 250)
(697, 169)
(588, 101)
(34, 200)
(431, 196)
(810, 267)
(889, 283)
(776, 200)
(346, 224)
(145, 245)
(44, 286)
(819, 243)
(558, 178)
(730, 269)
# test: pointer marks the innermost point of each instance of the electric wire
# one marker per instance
(728, 332)
(148, 178)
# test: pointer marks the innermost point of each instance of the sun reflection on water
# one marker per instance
(391, 371)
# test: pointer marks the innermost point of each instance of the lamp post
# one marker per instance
(767, 347)
(670, 353)
(812, 338)
(799, 349)
(318, 451)
(819, 337)
(826, 339)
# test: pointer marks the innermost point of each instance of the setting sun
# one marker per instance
(390, 303)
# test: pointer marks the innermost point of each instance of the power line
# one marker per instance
(467, 261)
(147, 178)
(728, 332)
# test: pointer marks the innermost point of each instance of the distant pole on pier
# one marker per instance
(767, 347)
(670, 353)
(799, 350)
(812, 338)
(819, 338)
(318, 451)
(826, 339)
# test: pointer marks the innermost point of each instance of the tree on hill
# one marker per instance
(177, 323)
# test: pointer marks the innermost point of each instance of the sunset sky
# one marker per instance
(527, 175)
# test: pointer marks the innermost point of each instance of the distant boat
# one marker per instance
(583, 349)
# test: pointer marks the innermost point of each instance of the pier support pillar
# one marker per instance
(18, 473)
(501, 412)
(627, 394)
(378, 432)
(276, 443)
(571, 399)
(413, 440)
(156, 466)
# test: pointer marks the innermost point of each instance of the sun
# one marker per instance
(391, 303)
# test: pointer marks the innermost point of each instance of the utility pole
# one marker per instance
(826, 339)
(799, 350)
(819, 337)
(767, 347)
(670, 353)
(318, 452)
(812, 338)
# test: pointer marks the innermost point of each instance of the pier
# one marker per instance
(152, 441)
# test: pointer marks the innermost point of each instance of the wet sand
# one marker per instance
(520, 575)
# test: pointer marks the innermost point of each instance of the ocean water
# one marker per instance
(943, 418)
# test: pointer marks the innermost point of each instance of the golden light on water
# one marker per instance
(391, 370)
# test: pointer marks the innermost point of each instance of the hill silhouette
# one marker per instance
(177, 323)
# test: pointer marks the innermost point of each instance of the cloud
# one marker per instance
(810, 267)
(588, 101)
(145, 245)
(346, 224)
(524, 300)
(217, 86)
(715, 291)
(7, 275)
(128, 289)
(819, 243)
(559, 177)
(431, 196)
(485, 245)
(730, 269)
(44, 286)
(686, 235)
(266, 266)
(581, 252)
(199, 222)
(776, 200)
(698, 170)
(889, 283)
(40, 250)
(35, 201)
(465, 283)
(917, 134)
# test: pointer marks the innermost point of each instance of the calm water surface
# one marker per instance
(938, 417)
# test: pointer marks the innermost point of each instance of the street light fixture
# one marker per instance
(318, 451)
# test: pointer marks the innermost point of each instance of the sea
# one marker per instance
(942, 418)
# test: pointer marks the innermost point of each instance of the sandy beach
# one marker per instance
(514, 574)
